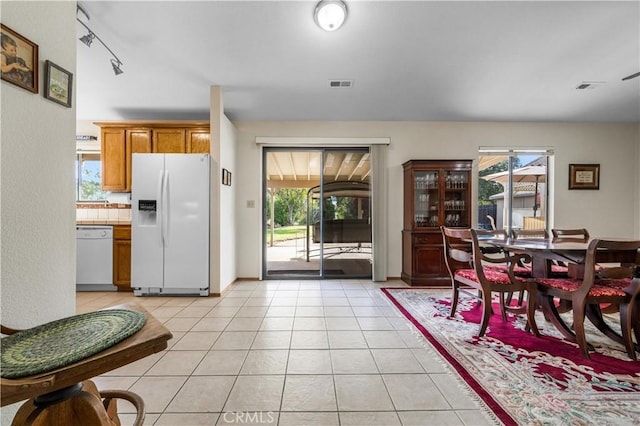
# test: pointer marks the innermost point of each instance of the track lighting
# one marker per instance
(88, 39)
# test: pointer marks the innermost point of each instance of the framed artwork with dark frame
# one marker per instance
(226, 177)
(584, 176)
(19, 60)
(58, 83)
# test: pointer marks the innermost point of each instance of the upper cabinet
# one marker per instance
(114, 154)
(437, 192)
(122, 139)
(169, 140)
(198, 141)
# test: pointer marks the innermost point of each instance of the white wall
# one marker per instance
(223, 219)
(228, 223)
(611, 211)
(37, 208)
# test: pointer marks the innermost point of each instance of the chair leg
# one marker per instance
(635, 318)
(486, 312)
(508, 298)
(626, 314)
(532, 305)
(578, 328)
(503, 308)
(454, 300)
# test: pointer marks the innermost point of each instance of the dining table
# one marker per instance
(572, 252)
(544, 251)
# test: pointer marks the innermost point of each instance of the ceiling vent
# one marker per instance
(340, 84)
(589, 85)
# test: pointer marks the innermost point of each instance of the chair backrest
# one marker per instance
(495, 234)
(498, 234)
(529, 233)
(492, 221)
(570, 235)
(458, 249)
(618, 252)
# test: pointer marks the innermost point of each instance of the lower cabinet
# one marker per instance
(122, 257)
(423, 259)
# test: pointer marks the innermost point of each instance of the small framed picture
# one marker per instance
(57, 84)
(584, 176)
(19, 60)
(226, 177)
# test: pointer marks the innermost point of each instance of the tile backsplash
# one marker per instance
(103, 213)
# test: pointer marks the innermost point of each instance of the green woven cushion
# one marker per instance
(65, 341)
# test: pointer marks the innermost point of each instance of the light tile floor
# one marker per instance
(332, 352)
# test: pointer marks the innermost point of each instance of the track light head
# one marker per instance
(88, 39)
(116, 66)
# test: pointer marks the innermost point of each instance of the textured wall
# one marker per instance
(37, 206)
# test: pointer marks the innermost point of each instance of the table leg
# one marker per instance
(594, 314)
(540, 267)
(551, 312)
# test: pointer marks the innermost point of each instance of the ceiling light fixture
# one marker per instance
(330, 14)
(88, 39)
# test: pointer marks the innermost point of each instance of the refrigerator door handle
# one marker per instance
(165, 209)
(160, 208)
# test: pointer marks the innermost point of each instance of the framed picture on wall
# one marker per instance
(57, 84)
(584, 176)
(226, 177)
(19, 60)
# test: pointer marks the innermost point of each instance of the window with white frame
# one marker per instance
(512, 189)
(89, 177)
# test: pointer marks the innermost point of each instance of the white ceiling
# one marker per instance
(415, 60)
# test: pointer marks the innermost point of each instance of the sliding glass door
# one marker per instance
(346, 217)
(317, 221)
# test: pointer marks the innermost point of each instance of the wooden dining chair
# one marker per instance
(610, 285)
(570, 235)
(557, 269)
(469, 269)
(529, 233)
(521, 269)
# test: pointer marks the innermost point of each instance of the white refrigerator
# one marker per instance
(170, 224)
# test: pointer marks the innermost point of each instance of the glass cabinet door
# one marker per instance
(427, 189)
(455, 198)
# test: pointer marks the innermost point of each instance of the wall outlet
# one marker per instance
(251, 204)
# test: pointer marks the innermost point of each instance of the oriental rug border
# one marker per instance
(552, 384)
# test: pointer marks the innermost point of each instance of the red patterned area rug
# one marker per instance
(526, 380)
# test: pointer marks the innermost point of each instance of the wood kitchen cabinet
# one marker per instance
(137, 141)
(436, 192)
(198, 141)
(122, 257)
(119, 140)
(169, 141)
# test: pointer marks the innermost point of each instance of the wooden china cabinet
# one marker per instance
(436, 192)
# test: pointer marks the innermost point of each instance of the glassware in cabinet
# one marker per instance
(426, 198)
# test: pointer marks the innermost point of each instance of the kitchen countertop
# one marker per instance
(103, 222)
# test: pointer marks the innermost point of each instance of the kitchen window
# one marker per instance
(89, 177)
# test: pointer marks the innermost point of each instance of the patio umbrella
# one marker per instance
(523, 175)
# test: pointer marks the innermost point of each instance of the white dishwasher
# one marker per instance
(94, 258)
